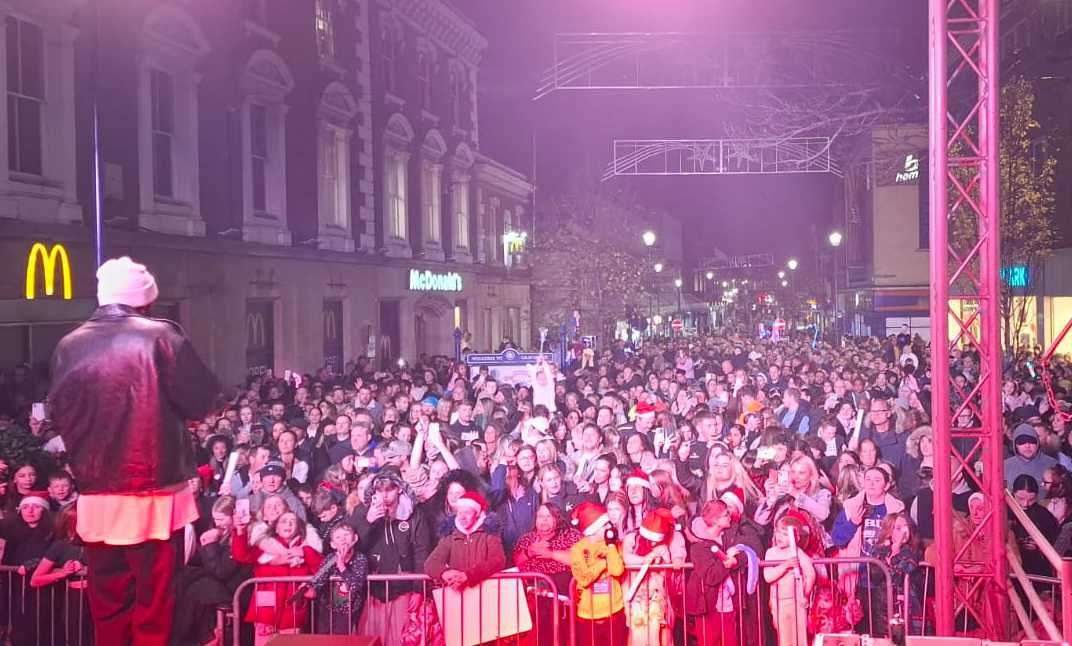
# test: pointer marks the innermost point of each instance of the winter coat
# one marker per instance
(123, 385)
(270, 603)
(479, 554)
(702, 587)
(393, 546)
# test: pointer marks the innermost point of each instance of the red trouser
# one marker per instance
(132, 591)
(717, 629)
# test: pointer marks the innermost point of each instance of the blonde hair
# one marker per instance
(739, 478)
(813, 470)
(847, 484)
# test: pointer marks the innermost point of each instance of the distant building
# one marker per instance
(284, 168)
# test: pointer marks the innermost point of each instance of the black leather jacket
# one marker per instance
(123, 385)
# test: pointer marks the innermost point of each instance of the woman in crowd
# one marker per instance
(273, 610)
(1025, 490)
(855, 534)
(546, 550)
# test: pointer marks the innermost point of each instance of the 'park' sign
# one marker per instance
(427, 281)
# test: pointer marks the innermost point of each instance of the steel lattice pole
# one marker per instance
(964, 137)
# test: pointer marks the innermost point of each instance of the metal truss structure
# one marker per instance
(750, 261)
(965, 270)
(720, 157)
(965, 225)
(736, 60)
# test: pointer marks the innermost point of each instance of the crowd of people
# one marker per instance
(736, 464)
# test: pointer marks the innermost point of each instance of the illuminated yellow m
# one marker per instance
(48, 264)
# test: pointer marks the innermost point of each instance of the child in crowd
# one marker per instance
(790, 582)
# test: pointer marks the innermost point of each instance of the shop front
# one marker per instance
(250, 310)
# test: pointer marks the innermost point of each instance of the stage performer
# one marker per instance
(123, 386)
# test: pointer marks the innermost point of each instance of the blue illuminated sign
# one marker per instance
(1016, 276)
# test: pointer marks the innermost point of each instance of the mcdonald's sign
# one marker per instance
(49, 256)
(255, 326)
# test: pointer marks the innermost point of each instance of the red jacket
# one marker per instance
(269, 603)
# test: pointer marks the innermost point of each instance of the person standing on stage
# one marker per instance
(123, 386)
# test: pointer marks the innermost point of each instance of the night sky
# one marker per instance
(573, 130)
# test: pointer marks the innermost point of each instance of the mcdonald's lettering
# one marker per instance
(48, 256)
(426, 281)
(255, 325)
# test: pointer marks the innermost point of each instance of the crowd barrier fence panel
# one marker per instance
(522, 605)
(52, 615)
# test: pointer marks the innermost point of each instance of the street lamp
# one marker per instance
(785, 283)
(677, 284)
(658, 267)
(710, 275)
(781, 274)
(649, 241)
(792, 264)
(835, 241)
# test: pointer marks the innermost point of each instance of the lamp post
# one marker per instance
(677, 284)
(792, 264)
(835, 241)
(648, 237)
(658, 267)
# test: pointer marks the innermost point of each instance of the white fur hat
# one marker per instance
(124, 282)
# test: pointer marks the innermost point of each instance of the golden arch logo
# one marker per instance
(49, 256)
(255, 328)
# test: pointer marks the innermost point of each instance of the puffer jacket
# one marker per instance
(478, 554)
(122, 386)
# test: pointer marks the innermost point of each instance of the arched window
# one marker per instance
(397, 139)
(168, 122)
(266, 81)
(432, 151)
(460, 199)
(337, 110)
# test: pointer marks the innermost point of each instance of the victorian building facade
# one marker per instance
(304, 177)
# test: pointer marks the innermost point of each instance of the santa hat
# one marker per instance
(644, 409)
(658, 525)
(590, 518)
(474, 500)
(39, 498)
(734, 499)
(121, 281)
(638, 479)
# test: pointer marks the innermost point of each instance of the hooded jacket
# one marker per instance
(398, 544)
(123, 385)
(1016, 465)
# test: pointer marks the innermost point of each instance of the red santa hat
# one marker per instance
(474, 500)
(658, 525)
(638, 478)
(734, 499)
(590, 518)
(644, 408)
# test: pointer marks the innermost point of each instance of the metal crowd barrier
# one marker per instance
(53, 615)
(656, 611)
(394, 607)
